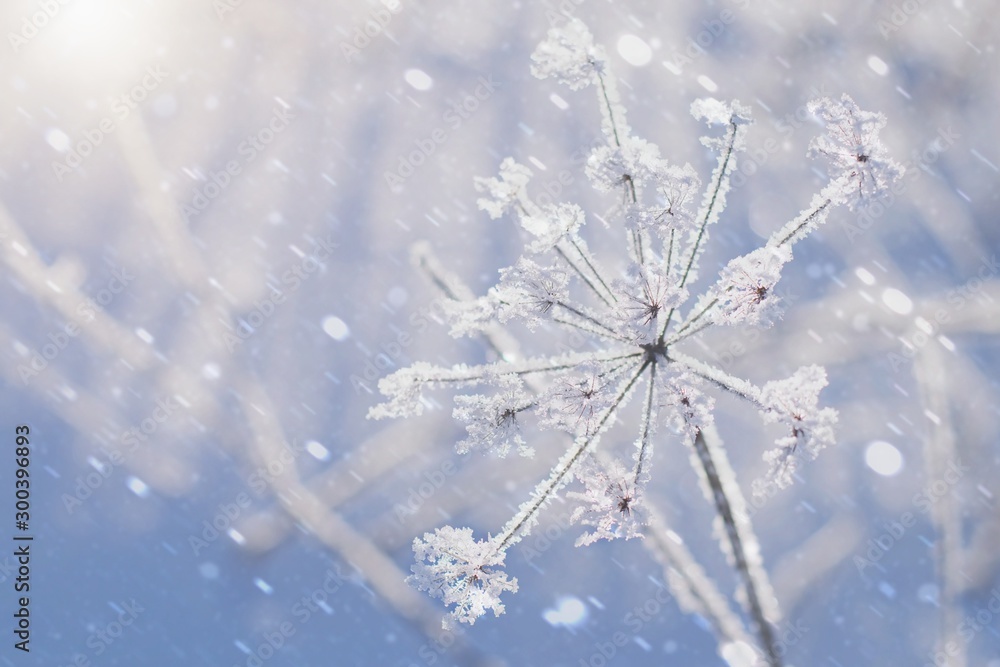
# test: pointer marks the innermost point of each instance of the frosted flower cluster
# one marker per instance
(454, 566)
(610, 503)
(636, 313)
(863, 166)
(794, 403)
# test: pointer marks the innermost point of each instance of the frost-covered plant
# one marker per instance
(636, 318)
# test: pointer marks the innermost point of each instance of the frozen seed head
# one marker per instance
(859, 160)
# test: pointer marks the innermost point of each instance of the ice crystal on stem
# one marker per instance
(637, 317)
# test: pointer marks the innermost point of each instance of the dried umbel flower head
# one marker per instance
(636, 321)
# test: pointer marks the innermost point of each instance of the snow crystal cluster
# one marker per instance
(638, 314)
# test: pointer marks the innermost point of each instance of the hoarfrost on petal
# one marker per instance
(861, 162)
(717, 112)
(688, 407)
(492, 421)
(575, 402)
(462, 571)
(569, 55)
(469, 318)
(505, 191)
(529, 291)
(794, 402)
(678, 187)
(745, 290)
(551, 224)
(636, 161)
(648, 297)
(611, 503)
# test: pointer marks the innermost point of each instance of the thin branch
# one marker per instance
(580, 326)
(695, 591)
(668, 262)
(681, 329)
(719, 377)
(593, 268)
(721, 173)
(586, 279)
(719, 177)
(676, 338)
(637, 244)
(610, 109)
(648, 417)
(560, 473)
(736, 544)
(793, 231)
(462, 374)
(608, 331)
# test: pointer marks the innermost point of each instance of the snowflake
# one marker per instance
(636, 316)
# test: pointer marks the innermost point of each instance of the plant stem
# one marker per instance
(724, 508)
(648, 416)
